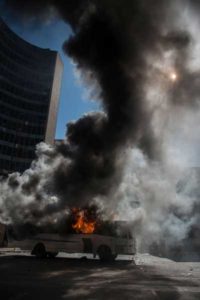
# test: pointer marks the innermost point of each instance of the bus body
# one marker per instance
(107, 247)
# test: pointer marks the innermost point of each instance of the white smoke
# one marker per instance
(24, 197)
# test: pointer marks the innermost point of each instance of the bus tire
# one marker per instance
(52, 254)
(105, 254)
(39, 251)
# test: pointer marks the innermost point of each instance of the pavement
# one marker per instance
(24, 277)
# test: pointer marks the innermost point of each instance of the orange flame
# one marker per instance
(82, 224)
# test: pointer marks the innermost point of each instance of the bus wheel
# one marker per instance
(39, 251)
(52, 254)
(105, 254)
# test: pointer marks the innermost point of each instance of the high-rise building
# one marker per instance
(30, 80)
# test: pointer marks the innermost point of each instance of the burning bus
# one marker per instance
(87, 235)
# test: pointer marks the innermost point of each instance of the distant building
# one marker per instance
(30, 79)
(58, 142)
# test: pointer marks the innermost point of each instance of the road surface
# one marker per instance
(23, 277)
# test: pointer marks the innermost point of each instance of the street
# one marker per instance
(25, 277)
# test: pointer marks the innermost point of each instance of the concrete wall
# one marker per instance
(54, 102)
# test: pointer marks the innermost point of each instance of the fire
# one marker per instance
(83, 223)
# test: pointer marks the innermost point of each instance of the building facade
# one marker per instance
(30, 80)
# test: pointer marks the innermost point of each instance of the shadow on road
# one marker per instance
(29, 278)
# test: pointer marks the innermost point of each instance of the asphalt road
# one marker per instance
(25, 277)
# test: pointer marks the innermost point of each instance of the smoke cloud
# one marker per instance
(141, 58)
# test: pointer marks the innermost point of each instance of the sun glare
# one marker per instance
(173, 76)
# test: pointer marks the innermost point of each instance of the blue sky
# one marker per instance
(73, 99)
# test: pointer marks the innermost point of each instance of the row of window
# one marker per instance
(10, 101)
(14, 145)
(19, 138)
(23, 129)
(23, 81)
(24, 70)
(22, 115)
(11, 166)
(10, 123)
(10, 86)
(17, 152)
(14, 56)
(27, 53)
